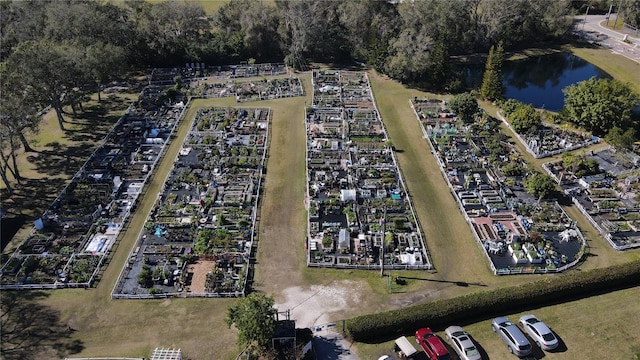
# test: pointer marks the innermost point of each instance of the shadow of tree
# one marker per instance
(31, 329)
(32, 197)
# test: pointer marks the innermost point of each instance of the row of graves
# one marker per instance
(608, 195)
(253, 90)
(72, 239)
(360, 215)
(547, 140)
(518, 233)
(197, 239)
(202, 71)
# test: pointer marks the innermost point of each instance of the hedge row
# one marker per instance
(485, 304)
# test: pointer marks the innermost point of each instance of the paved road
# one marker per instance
(596, 33)
(328, 344)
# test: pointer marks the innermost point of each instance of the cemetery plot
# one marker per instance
(548, 141)
(191, 71)
(73, 237)
(198, 237)
(265, 89)
(360, 215)
(485, 174)
(605, 186)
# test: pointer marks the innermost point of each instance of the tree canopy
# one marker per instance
(465, 106)
(492, 87)
(254, 317)
(407, 40)
(525, 119)
(539, 185)
(600, 104)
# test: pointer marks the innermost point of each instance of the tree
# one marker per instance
(600, 104)
(492, 87)
(621, 139)
(439, 68)
(525, 119)
(539, 185)
(18, 107)
(47, 70)
(629, 10)
(465, 106)
(254, 317)
(102, 61)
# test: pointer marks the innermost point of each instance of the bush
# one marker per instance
(441, 313)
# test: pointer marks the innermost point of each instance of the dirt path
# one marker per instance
(200, 270)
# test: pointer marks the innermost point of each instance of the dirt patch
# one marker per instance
(199, 270)
(318, 304)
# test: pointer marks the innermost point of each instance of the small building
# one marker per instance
(344, 240)
(347, 194)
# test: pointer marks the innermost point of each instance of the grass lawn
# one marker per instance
(618, 66)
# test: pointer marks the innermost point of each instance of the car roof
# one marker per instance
(536, 323)
(501, 320)
(454, 329)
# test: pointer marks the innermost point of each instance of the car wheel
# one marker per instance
(538, 343)
(510, 349)
(493, 328)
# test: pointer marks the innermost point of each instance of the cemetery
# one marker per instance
(72, 239)
(548, 140)
(255, 90)
(518, 233)
(360, 215)
(200, 71)
(198, 238)
(610, 198)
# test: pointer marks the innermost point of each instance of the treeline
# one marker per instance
(405, 40)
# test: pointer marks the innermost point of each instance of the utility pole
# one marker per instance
(384, 227)
(617, 12)
(609, 13)
(585, 18)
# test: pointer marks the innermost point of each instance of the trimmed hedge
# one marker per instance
(485, 304)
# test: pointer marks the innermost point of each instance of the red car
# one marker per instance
(432, 344)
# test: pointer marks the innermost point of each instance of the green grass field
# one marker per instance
(133, 328)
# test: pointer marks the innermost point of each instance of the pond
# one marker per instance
(539, 80)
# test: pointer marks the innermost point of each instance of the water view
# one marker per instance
(540, 80)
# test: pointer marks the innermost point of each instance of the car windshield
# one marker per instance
(471, 351)
(525, 347)
(458, 334)
(506, 323)
(548, 337)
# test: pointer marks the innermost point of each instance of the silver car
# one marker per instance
(462, 343)
(511, 334)
(539, 332)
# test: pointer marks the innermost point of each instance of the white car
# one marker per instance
(539, 332)
(462, 343)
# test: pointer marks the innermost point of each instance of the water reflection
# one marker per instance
(540, 80)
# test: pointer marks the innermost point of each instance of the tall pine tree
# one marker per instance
(492, 87)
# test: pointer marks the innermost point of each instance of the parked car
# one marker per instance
(404, 347)
(462, 343)
(539, 332)
(432, 345)
(512, 336)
